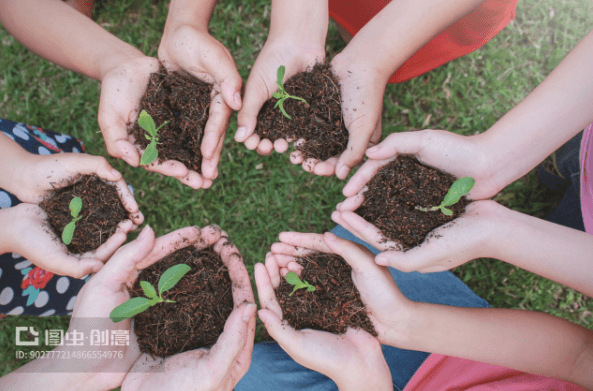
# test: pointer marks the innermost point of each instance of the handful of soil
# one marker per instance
(101, 212)
(174, 97)
(319, 121)
(333, 306)
(394, 193)
(203, 298)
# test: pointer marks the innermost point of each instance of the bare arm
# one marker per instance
(523, 340)
(64, 36)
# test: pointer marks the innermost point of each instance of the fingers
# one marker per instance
(326, 168)
(308, 240)
(129, 203)
(281, 145)
(170, 243)
(364, 174)
(273, 270)
(68, 265)
(233, 340)
(237, 272)
(352, 203)
(107, 249)
(252, 142)
(116, 272)
(265, 147)
(219, 63)
(265, 290)
(170, 168)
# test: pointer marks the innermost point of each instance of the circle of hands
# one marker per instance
(192, 50)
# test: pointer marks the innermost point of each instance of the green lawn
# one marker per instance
(256, 197)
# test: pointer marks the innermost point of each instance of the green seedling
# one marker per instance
(458, 189)
(293, 279)
(147, 123)
(282, 95)
(136, 305)
(75, 208)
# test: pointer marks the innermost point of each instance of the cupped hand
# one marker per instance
(221, 367)
(31, 237)
(194, 51)
(104, 291)
(349, 359)
(470, 236)
(297, 41)
(457, 155)
(362, 92)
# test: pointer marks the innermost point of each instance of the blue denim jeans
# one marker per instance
(273, 369)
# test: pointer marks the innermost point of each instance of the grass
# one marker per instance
(256, 197)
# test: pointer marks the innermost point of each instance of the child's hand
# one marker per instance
(457, 155)
(221, 367)
(297, 41)
(193, 50)
(28, 235)
(353, 360)
(43, 173)
(470, 236)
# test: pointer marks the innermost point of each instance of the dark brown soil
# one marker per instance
(174, 97)
(395, 191)
(333, 306)
(204, 302)
(319, 121)
(101, 212)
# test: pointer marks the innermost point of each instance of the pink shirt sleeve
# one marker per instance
(444, 373)
(587, 178)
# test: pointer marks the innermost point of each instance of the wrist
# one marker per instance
(7, 217)
(372, 373)
(119, 59)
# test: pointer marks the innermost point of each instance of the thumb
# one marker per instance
(286, 336)
(116, 271)
(360, 132)
(256, 94)
(77, 268)
(407, 143)
(233, 339)
(114, 131)
(221, 66)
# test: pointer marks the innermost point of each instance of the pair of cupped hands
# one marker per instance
(192, 50)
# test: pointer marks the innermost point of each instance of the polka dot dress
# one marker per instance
(24, 288)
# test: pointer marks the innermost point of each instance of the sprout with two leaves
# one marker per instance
(458, 189)
(137, 305)
(147, 123)
(293, 279)
(75, 208)
(282, 95)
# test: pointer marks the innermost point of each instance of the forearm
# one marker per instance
(401, 29)
(553, 113)
(523, 340)
(550, 250)
(289, 17)
(58, 33)
(47, 374)
(195, 13)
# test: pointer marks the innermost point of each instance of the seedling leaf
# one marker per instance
(68, 232)
(149, 290)
(75, 206)
(171, 276)
(292, 278)
(280, 74)
(150, 154)
(147, 123)
(310, 288)
(277, 95)
(458, 189)
(446, 211)
(129, 308)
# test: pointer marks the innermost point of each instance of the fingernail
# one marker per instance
(268, 254)
(343, 172)
(373, 149)
(114, 172)
(338, 206)
(97, 268)
(381, 261)
(237, 98)
(263, 316)
(249, 312)
(144, 232)
(241, 132)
